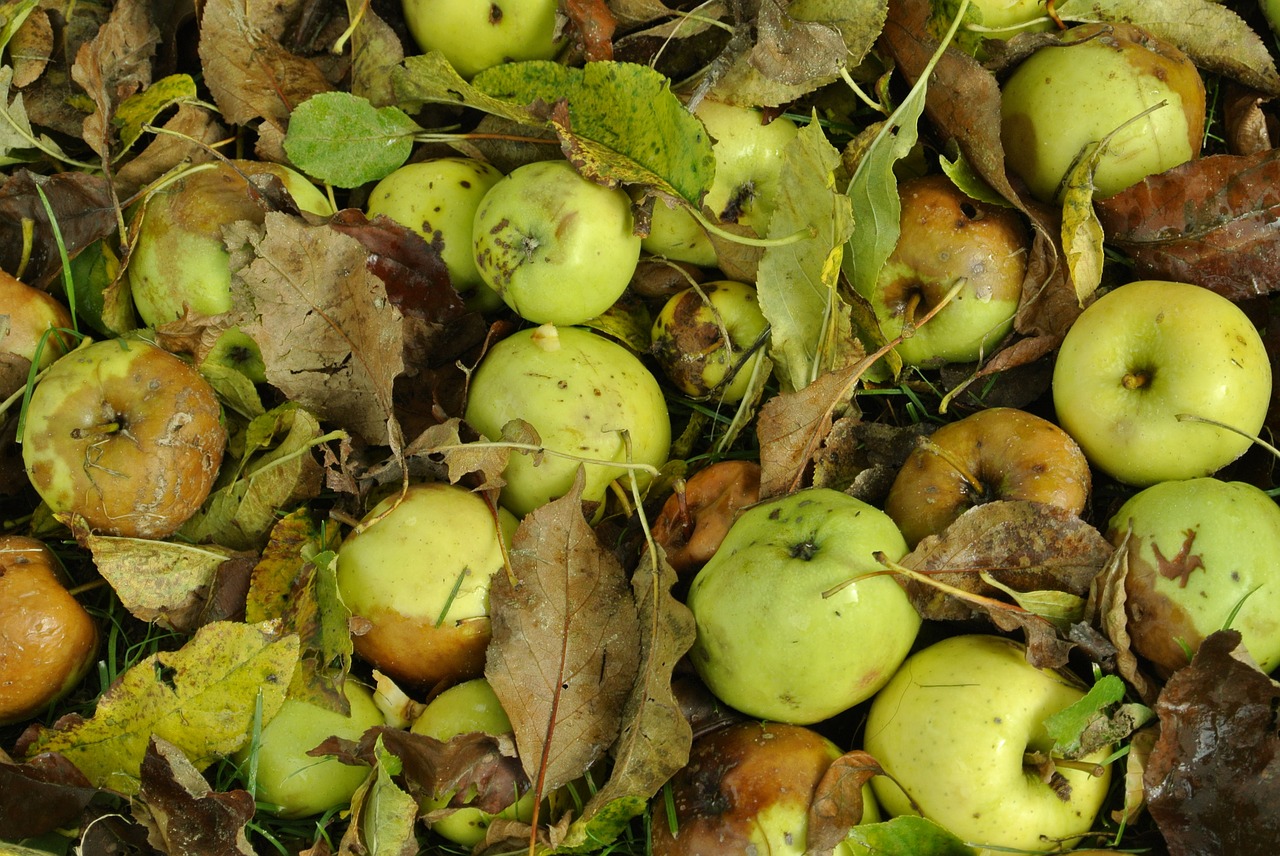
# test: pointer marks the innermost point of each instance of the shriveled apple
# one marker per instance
(47, 639)
(696, 517)
(997, 453)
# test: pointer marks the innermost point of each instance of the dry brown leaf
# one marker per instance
(1106, 609)
(182, 813)
(113, 66)
(31, 47)
(566, 642)
(837, 802)
(793, 426)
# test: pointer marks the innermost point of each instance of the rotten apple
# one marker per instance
(708, 339)
(694, 520)
(34, 328)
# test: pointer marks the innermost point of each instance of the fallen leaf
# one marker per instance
(41, 795)
(837, 803)
(113, 66)
(182, 813)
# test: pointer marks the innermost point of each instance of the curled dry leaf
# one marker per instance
(837, 801)
(182, 813)
(43, 794)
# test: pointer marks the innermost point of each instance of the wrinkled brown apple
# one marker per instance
(125, 435)
(693, 520)
(47, 639)
(998, 453)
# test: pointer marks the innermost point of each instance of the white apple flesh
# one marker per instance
(952, 729)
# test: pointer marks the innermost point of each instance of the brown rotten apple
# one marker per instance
(26, 313)
(125, 435)
(47, 640)
(998, 453)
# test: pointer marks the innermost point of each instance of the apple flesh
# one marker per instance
(125, 435)
(294, 784)
(789, 628)
(579, 391)
(1064, 97)
(476, 36)
(416, 574)
(1000, 453)
(557, 248)
(47, 639)
(706, 339)
(468, 707)
(748, 788)
(748, 154)
(952, 730)
(1198, 550)
(438, 199)
(947, 238)
(1146, 353)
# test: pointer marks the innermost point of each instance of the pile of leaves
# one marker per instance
(204, 633)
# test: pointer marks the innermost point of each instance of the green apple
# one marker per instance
(748, 788)
(579, 391)
(1064, 97)
(295, 784)
(183, 221)
(788, 628)
(438, 199)
(1146, 353)
(988, 19)
(947, 238)
(125, 435)
(748, 154)
(952, 730)
(706, 339)
(557, 248)
(1198, 551)
(470, 706)
(415, 574)
(236, 350)
(475, 36)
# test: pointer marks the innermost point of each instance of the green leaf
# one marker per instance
(342, 139)
(796, 282)
(1090, 723)
(906, 836)
(201, 698)
(384, 816)
(12, 16)
(140, 109)
(1082, 236)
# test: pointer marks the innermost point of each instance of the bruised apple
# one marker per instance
(1000, 453)
(29, 321)
(415, 574)
(696, 517)
(748, 788)
(707, 337)
(47, 639)
(1201, 557)
(125, 435)
(789, 626)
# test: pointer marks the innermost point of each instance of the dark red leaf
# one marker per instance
(82, 207)
(41, 795)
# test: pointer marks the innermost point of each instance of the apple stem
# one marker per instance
(1136, 380)
(1033, 759)
(95, 430)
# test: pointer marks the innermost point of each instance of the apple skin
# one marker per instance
(1009, 453)
(26, 313)
(184, 221)
(1144, 353)
(945, 236)
(471, 706)
(1101, 77)
(748, 155)
(769, 644)
(47, 640)
(438, 199)
(125, 435)
(747, 788)
(578, 390)
(997, 19)
(400, 571)
(1197, 548)
(557, 248)
(476, 36)
(702, 339)
(952, 727)
(302, 785)
(694, 520)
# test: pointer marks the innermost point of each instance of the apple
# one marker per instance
(1064, 97)
(415, 574)
(125, 435)
(748, 788)
(693, 521)
(34, 327)
(294, 784)
(748, 154)
(1146, 353)
(476, 36)
(1198, 550)
(952, 730)
(236, 350)
(1000, 453)
(438, 199)
(558, 248)
(470, 706)
(789, 627)
(47, 640)
(1271, 11)
(183, 221)
(946, 237)
(989, 19)
(579, 391)
(707, 339)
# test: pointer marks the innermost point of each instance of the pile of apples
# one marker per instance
(810, 640)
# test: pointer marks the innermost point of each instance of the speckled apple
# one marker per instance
(706, 339)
